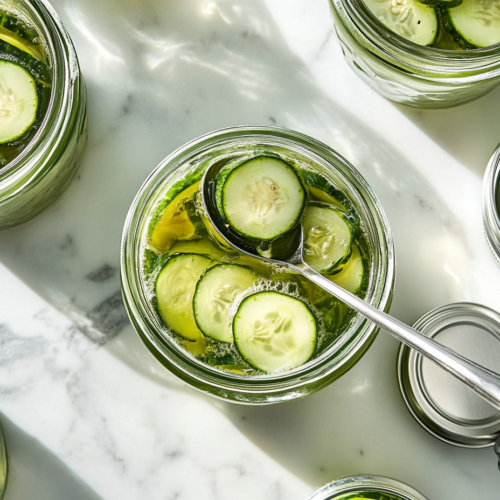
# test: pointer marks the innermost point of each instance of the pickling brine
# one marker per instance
(443, 24)
(368, 495)
(231, 325)
(234, 312)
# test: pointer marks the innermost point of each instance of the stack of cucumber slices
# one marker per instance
(448, 24)
(196, 297)
(207, 298)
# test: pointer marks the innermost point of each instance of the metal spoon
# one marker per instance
(481, 380)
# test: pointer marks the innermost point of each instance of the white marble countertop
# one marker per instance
(88, 412)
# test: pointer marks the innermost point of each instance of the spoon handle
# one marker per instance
(481, 380)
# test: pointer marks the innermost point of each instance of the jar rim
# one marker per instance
(491, 208)
(481, 63)
(354, 484)
(180, 362)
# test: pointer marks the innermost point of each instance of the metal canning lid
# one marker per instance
(348, 486)
(491, 204)
(440, 403)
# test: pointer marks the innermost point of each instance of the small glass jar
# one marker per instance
(269, 388)
(351, 487)
(3, 464)
(491, 204)
(39, 175)
(408, 73)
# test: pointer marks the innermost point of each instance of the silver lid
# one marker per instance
(444, 406)
(491, 204)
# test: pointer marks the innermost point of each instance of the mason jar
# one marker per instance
(267, 388)
(3, 464)
(408, 73)
(491, 204)
(45, 167)
(369, 487)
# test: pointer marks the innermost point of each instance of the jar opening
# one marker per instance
(373, 32)
(369, 487)
(274, 386)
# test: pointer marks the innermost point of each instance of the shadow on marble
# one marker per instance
(360, 425)
(129, 349)
(469, 133)
(36, 473)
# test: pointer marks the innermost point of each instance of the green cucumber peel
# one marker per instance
(441, 4)
(474, 24)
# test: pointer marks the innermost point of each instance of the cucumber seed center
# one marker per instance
(487, 12)
(272, 332)
(222, 300)
(319, 241)
(8, 102)
(263, 197)
(401, 8)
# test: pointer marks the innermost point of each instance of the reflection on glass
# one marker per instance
(3, 464)
(498, 199)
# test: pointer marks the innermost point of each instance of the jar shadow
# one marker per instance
(158, 75)
(469, 133)
(360, 424)
(35, 472)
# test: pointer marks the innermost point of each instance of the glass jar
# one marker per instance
(269, 388)
(3, 464)
(491, 204)
(408, 73)
(350, 487)
(39, 175)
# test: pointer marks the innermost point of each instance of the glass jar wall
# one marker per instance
(491, 204)
(3, 464)
(367, 487)
(408, 73)
(38, 174)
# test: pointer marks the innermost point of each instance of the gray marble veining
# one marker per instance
(75, 378)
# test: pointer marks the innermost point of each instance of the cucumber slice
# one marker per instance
(175, 287)
(352, 276)
(323, 190)
(474, 24)
(408, 18)
(327, 238)
(18, 101)
(215, 294)
(262, 198)
(274, 332)
(442, 4)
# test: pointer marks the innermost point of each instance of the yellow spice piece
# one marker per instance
(320, 195)
(175, 224)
